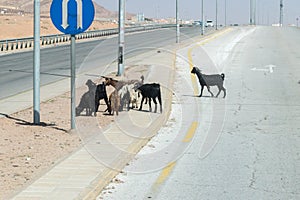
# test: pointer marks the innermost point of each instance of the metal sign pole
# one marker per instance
(121, 37)
(67, 16)
(36, 65)
(73, 77)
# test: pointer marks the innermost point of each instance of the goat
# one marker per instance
(133, 98)
(210, 80)
(87, 100)
(125, 98)
(101, 94)
(114, 100)
(150, 91)
(125, 90)
(129, 96)
(115, 83)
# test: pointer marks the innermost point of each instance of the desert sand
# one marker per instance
(22, 26)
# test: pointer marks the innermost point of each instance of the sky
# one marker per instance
(237, 10)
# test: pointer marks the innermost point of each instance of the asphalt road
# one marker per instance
(17, 68)
(245, 146)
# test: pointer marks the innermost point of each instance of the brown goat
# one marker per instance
(114, 101)
(115, 97)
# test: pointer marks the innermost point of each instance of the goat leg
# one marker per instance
(218, 92)
(150, 109)
(224, 90)
(155, 110)
(202, 87)
(128, 105)
(208, 88)
(159, 100)
(96, 106)
(107, 104)
(141, 106)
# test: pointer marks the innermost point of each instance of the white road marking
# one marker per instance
(267, 68)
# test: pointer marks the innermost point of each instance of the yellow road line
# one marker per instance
(165, 173)
(193, 78)
(191, 132)
(167, 170)
(212, 37)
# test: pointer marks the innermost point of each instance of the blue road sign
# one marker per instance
(72, 16)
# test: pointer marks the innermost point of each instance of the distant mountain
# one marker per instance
(26, 7)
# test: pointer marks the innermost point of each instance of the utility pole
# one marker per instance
(216, 14)
(36, 64)
(225, 23)
(281, 13)
(177, 23)
(121, 37)
(252, 12)
(202, 18)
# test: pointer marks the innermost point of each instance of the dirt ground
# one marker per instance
(27, 151)
(22, 26)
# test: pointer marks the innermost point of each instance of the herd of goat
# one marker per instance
(126, 93)
(124, 96)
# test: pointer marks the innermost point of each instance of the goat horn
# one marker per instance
(105, 77)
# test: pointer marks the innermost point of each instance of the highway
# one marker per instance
(245, 146)
(17, 68)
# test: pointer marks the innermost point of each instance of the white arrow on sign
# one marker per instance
(79, 13)
(65, 23)
(65, 14)
(267, 68)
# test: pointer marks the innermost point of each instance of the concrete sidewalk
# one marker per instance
(105, 152)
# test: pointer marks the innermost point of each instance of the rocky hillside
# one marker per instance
(26, 7)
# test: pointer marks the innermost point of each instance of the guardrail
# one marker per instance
(24, 43)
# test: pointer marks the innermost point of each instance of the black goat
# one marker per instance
(87, 100)
(150, 91)
(210, 80)
(101, 94)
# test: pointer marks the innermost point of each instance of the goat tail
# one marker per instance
(223, 76)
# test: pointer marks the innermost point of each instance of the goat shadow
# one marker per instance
(203, 96)
(26, 123)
